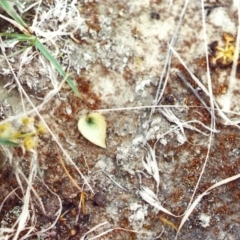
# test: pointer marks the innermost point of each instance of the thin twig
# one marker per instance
(66, 171)
(195, 92)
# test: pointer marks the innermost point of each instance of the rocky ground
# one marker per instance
(162, 73)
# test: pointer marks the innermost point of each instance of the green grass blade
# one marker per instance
(4, 141)
(56, 64)
(18, 36)
(8, 7)
(35, 42)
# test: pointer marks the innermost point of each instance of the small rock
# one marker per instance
(99, 199)
(155, 15)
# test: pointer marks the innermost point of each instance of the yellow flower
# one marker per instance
(27, 120)
(224, 56)
(6, 130)
(26, 134)
(29, 143)
(41, 128)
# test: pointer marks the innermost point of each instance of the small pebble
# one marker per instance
(99, 199)
(155, 15)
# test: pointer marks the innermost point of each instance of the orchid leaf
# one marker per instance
(93, 128)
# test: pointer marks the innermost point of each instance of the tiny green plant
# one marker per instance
(4, 141)
(8, 8)
(93, 128)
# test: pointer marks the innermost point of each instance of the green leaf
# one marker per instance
(56, 64)
(8, 7)
(44, 51)
(4, 141)
(93, 128)
(19, 36)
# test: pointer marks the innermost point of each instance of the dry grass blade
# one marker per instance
(199, 198)
(2, 203)
(103, 233)
(149, 196)
(19, 26)
(93, 229)
(57, 215)
(150, 164)
(225, 181)
(111, 178)
(66, 171)
(24, 216)
(166, 69)
(165, 72)
(220, 111)
(189, 211)
(171, 117)
(42, 119)
(82, 194)
(182, 77)
(191, 205)
(110, 230)
(8, 7)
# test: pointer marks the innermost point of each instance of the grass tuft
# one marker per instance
(7, 6)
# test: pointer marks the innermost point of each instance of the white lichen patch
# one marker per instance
(205, 220)
(220, 18)
(229, 100)
(136, 219)
(112, 88)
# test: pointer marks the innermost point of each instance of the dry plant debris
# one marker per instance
(168, 87)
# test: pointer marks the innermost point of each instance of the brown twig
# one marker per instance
(82, 194)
